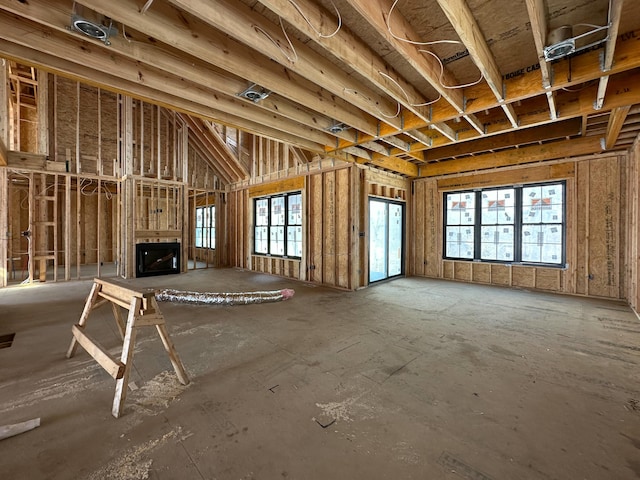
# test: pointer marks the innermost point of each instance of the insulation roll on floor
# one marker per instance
(235, 298)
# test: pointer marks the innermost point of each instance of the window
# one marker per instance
(278, 225)
(523, 224)
(206, 227)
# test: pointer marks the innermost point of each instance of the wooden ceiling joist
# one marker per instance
(246, 26)
(467, 28)
(355, 91)
(351, 50)
(538, 19)
(615, 12)
(376, 12)
(82, 73)
(190, 35)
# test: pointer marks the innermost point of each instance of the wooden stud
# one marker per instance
(4, 225)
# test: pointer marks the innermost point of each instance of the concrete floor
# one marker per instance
(411, 379)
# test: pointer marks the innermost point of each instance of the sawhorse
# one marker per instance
(143, 311)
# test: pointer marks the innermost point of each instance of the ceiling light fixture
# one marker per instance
(337, 128)
(93, 29)
(562, 43)
(255, 93)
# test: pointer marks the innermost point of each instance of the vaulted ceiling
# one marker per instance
(417, 87)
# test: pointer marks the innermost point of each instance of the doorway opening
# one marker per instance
(386, 239)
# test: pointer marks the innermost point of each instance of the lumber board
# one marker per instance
(98, 352)
(7, 431)
(155, 234)
(280, 186)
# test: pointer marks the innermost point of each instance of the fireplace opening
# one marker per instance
(157, 259)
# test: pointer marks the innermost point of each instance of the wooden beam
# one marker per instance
(376, 12)
(118, 84)
(351, 50)
(467, 28)
(515, 156)
(625, 91)
(395, 164)
(565, 128)
(213, 144)
(101, 59)
(245, 25)
(615, 12)
(221, 146)
(171, 26)
(538, 19)
(616, 120)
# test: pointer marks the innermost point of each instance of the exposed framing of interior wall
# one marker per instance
(140, 152)
(69, 220)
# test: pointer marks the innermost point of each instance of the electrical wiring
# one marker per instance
(406, 40)
(435, 42)
(317, 32)
(293, 59)
(450, 87)
(146, 6)
(124, 33)
(83, 186)
(356, 93)
(405, 92)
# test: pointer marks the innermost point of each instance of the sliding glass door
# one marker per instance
(386, 239)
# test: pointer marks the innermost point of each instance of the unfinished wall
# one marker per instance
(594, 230)
(631, 271)
(335, 222)
(67, 188)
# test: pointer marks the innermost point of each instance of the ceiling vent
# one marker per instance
(254, 93)
(562, 42)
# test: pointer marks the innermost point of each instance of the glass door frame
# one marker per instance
(387, 202)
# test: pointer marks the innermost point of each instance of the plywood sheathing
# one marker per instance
(594, 229)
(632, 244)
(334, 201)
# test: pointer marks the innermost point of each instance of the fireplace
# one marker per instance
(157, 258)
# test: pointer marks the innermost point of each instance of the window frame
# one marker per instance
(518, 224)
(211, 228)
(288, 214)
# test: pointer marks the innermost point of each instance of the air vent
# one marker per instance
(254, 93)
